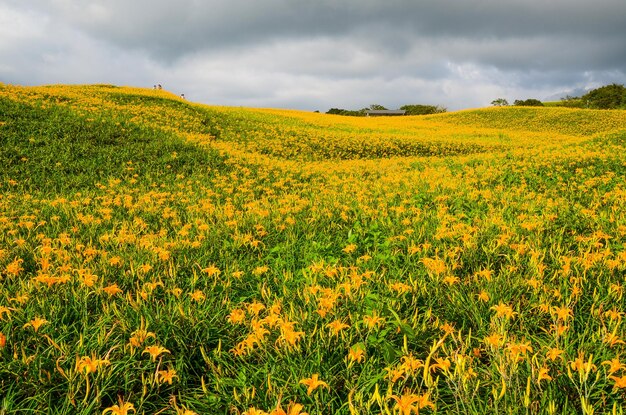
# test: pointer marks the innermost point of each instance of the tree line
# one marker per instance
(606, 97)
(410, 109)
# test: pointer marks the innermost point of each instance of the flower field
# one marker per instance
(163, 257)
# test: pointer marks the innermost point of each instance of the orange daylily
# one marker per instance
(313, 383)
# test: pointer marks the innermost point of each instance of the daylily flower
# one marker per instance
(313, 383)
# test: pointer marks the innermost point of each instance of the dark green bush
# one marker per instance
(417, 109)
(606, 97)
(531, 102)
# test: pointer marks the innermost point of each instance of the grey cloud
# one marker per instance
(170, 29)
(318, 54)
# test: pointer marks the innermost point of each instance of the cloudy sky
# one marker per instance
(318, 54)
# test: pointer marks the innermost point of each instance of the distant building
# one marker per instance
(383, 113)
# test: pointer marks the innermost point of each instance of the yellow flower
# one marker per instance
(612, 339)
(237, 316)
(410, 402)
(275, 308)
(349, 248)
(237, 274)
(176, 292)
(151, 286)
(356, 354)
(559, 328)
(410, 363)
(112, 290)
(614, 365)
(485, 273)
(144, 268)
(164, 255)
(197, 296)
(122, 409)
(258, 271)
(562, 313)
(503, 310)
(212, 271)
(614, 314)
(336, 326)
(424, 401)
(620, 383)
(313, 383)
(517, 350)
(292, 409)
(582, 367)
(400, 287)
(15, 267)
(90, 364)
(155, 351)
(364, 258)
(494, 340)
(166, 376)
(436, 266)
(288, 334)
(554, 353)
(442, 364)
(89, 279)
(393, 374)
(139, 336)
(405, 403)
(451, 280)
(483, 296)
(447, 328)
(373, 321)
(4, 310)
(22, 299)
(115, 261)
(255, 308)
(543, 375)
(36, 323)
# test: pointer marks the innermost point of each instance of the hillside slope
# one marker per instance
(306, 136)
(183, 258)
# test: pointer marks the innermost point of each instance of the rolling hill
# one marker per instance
(179, 258)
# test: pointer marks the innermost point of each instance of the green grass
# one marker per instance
(55, 150)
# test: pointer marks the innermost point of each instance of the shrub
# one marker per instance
(606, 97)
(531, 102)
(500, 102)
(417, 109)
(341, 111)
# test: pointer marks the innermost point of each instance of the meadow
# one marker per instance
(164, 257)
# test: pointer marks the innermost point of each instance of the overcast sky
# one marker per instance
(318, 54)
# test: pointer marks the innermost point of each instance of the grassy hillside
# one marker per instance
(181, 258)
(566, 121)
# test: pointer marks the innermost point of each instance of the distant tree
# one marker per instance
(377, 107)
(341, 111)
(606, 97)
(500, 102)
(336, 111)
(531, 102)
(417, 109)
